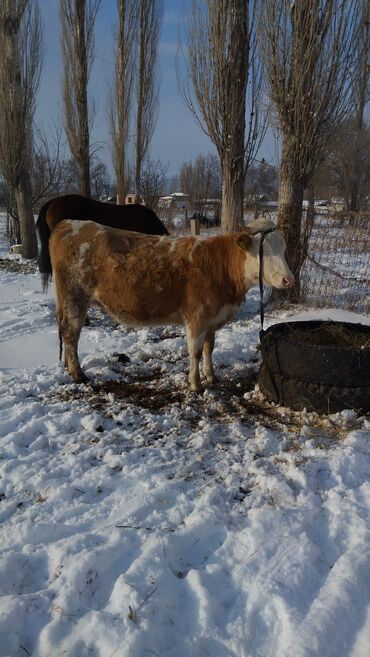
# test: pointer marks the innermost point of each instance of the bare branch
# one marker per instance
(221, 85)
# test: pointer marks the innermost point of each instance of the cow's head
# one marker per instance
(275, 268)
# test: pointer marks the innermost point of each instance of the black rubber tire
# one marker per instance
(324, 378)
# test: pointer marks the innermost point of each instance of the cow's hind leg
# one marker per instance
(195, 345)
(71, 313)
(208, 370)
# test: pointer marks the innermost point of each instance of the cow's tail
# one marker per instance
(60, 343)
(44, 261)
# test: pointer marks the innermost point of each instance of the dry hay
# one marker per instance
(331, 334)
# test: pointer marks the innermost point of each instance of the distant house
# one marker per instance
(211, 203)
(134, 198)
(177, 200)
(337, 204)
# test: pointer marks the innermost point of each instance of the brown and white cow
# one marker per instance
(144, 280)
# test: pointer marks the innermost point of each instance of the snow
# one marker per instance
(139, 519)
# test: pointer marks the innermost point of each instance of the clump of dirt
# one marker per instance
(139, 393)
(18, 266)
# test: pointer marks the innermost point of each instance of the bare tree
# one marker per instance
(78, 19)
(224, 69)
(201, 180)
(153, 181)
(261, 179)
(347, 154)
(100, 181)
(147, 83)
(20, 65)
(48, 165)
(308, 51)
(122, 92)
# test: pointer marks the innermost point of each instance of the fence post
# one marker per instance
(195, 227)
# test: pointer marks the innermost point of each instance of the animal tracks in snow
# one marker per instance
(137, 519)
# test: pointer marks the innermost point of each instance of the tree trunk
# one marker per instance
(22, 124)
(232, 194)
(354, 188)
(138, 163)
(23, 197)
(308, 224)
(363, 91)
(85, 175)
(290, 222)
(82, 102)
(354, 205)
(354, 185)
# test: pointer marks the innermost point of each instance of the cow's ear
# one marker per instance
(244, 241)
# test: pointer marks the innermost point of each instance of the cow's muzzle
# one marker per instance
(288, 281)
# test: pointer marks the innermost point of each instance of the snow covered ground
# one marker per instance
(139, 519)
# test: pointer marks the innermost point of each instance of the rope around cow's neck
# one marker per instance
(263, 235)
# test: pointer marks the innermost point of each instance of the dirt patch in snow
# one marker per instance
(149, 397)
(18, 266)
(148, 389)
(234, 398)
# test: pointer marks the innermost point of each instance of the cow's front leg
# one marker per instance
(209, 343)
(195, 345)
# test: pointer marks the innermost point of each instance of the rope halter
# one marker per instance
(263, 235)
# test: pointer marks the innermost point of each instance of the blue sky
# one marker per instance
(177, 137)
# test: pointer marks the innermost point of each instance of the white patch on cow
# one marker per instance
(84, 263)
(195, 345)
(251, 267)
(275, 267)
(224, 315)
(75, 226)
(84, 248)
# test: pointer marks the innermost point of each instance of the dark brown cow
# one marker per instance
(142, 280)
(73, 206)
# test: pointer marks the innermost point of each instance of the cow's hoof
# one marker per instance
(196, 388)
(80, 378)
(211, 380)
